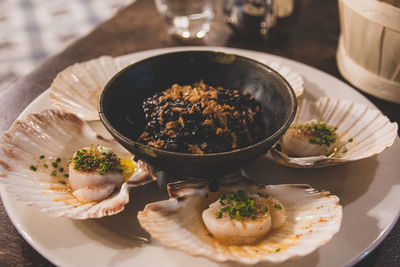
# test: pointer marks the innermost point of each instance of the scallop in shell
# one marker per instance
(34, 156)
(313, 217)
(362, 131)
(77, 88)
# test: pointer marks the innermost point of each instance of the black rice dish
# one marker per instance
(201, 119)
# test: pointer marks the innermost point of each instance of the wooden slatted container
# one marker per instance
(368, 54)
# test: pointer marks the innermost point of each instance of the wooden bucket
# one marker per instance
(368, 54)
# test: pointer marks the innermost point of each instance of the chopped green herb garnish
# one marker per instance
(319, 133)
(54, 173)
(262, 195)
(62, 182)
(277, 250)
(45, 165)
(277, 206)
(239, 206)
(265, 209)
(54, 164)
(61, 169)
(351, 140)
(210, 235)
(97, 158)
(33, 168)
(58, 159)
(66, 175)
(41, 157)
(345, 151)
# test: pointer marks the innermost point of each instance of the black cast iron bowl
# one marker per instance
(120, 106)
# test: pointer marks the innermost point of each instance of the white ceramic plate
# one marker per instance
(368, 190)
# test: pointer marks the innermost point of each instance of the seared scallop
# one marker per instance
(313, 138)
(35, 152)
(287, 220)
(238, 219)
(348, 132)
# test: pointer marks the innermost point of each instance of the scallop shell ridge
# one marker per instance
(77, 88)
(313, 218)
(363, 132)
(293, 78)
(56, 134)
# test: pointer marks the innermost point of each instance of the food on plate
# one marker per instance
(240, 218)
(81, 97)
(201, 119)
(345, 131)
(94, 173)
(204, 222)
(34, 155)
(312, 138)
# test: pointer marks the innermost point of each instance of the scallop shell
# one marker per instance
(77, 88)
(371, 131)
(313, 218)
(56, 134)
(294, 79)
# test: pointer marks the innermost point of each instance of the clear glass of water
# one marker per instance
(187, 19)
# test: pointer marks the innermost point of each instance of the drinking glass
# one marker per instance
(187, 19)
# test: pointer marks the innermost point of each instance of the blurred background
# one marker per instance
(33, 30)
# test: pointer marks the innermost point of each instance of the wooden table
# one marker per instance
(310, 36)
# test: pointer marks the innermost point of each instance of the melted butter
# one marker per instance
(68, 198)
(59, 188)
(128, 168)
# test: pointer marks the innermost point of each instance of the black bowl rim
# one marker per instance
(127, 140)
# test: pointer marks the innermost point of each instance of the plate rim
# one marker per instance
(5, 196)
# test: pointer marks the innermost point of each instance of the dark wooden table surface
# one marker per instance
(310, 36)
